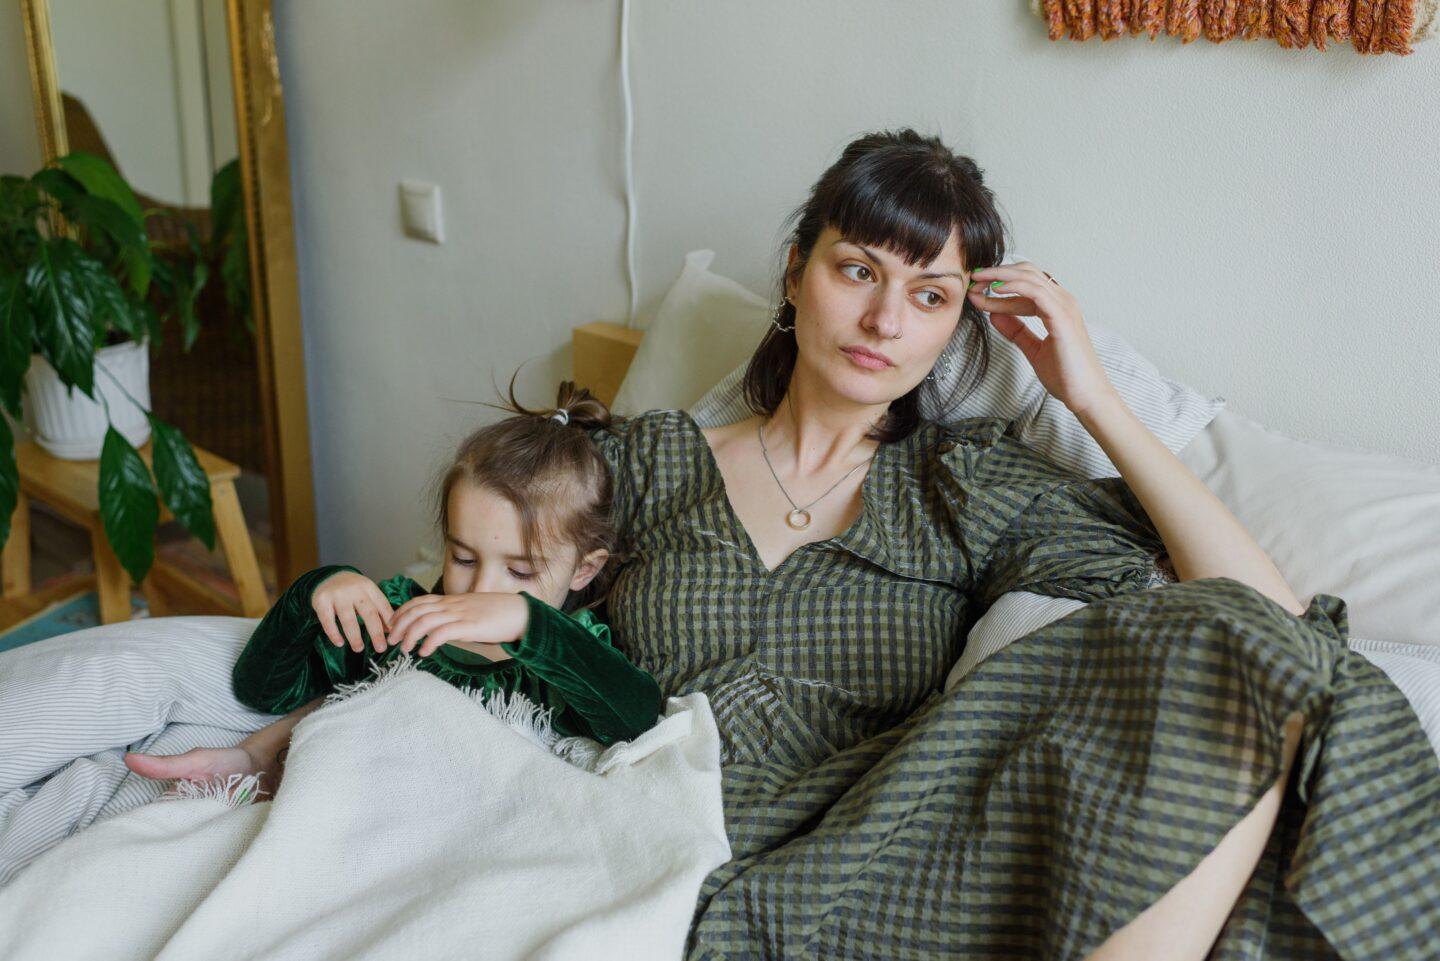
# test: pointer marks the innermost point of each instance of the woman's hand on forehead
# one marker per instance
(1064, 359)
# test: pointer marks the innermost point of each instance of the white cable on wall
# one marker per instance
(629, 158)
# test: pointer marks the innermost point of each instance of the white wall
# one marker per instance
(19, 137)
(509, 107)
(119, 60)
(219, 97)
(1259, 222)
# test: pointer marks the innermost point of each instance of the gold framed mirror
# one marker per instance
(214, 101)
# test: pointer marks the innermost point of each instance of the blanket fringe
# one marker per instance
(514, 710)
(404, 664)
(233, 790)
(582, 752)
(520, 714)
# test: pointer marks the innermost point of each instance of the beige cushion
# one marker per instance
(706, 325)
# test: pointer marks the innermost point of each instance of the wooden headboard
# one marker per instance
(602, 354)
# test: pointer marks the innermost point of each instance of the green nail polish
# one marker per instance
(996, 284)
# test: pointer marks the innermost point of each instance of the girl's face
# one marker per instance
(851, 302)
(485, 552)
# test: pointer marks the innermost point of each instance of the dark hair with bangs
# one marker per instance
(907, 193)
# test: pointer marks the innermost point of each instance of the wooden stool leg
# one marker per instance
(153, 599)
(16, 559)
(239, 552)
(111, 581)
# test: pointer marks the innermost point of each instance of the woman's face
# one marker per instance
(870, 326)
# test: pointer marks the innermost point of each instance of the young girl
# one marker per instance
(524, 511)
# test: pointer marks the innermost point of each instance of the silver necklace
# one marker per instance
(799, 517)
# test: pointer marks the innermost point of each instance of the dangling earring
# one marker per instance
(779, 311)
(942, 366)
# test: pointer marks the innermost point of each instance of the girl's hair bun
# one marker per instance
(574, 407)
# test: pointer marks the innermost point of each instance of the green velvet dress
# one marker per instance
(564, 662)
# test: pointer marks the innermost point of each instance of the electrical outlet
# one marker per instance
(420, 210)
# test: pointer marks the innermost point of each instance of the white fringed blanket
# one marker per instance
(412, 823)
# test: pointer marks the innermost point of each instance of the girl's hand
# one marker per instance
(463, 619)
(343, 601)
(1065, 360)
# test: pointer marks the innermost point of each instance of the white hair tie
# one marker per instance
(563, 416)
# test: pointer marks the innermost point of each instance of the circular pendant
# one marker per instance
(798, 519)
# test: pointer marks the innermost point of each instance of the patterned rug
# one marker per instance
(62, 617)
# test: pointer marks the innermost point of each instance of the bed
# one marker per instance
(1361, 526)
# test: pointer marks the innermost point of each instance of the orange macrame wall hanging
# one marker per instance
(1371, 26)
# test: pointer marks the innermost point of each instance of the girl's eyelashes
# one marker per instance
(864, 274)
(518, 575)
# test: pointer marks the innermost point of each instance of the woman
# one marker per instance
(1114, 785)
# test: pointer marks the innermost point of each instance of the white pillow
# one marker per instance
(1010, 390)
(1361, 526)
(705, 326)
(103, 687)
(70, 706)
(1012, 616)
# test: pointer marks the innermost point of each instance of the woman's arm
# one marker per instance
(1200, 534)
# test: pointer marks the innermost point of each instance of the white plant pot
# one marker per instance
(72, 426)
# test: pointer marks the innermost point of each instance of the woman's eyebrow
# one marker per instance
(925, 276)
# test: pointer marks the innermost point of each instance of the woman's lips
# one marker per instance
(865, 360)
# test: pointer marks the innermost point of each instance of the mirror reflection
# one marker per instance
(146, 85)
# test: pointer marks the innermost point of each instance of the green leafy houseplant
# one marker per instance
(77, 272)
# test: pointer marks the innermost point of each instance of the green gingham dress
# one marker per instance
(1063, 785)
